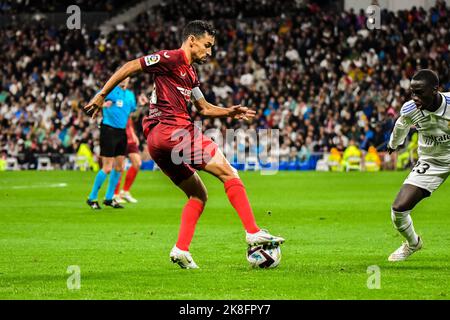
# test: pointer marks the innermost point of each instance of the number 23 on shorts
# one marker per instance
(421, 167)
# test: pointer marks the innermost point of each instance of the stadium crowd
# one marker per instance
(35, 6)
(323, 79)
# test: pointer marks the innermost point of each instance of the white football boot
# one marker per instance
(262, 237)
(118, 198)
(126, 195)
(183, 258)
(405, 251)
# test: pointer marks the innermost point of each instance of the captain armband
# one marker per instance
(197, 94)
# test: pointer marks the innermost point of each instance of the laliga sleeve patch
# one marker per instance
(151, 59)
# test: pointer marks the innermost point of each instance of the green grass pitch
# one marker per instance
(336, 226)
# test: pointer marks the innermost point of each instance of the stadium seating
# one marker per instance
(12, 164)
(351, 159)
(322, 164)
(44, 163)
(80, 163)
(262, 59)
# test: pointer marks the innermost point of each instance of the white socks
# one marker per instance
(404, 224)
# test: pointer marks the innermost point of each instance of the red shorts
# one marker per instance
(179, 150)
(132, 148)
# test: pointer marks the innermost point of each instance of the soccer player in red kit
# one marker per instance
(133, 154)
(169, 131)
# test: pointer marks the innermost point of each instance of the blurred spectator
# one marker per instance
(334, 160)
(32, 6)
(351, 159)
(372, 161)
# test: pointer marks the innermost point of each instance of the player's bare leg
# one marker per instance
(194, 188)
(136, 163)
(406, 200)
(197, 195)
(235, 190)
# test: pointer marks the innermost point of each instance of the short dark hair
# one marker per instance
(198, 28)
(427, 75)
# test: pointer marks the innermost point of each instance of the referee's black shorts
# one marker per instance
(113, 141)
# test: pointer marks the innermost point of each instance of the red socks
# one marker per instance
(129, 179)
(235, 191)
(191, 213)
(193, 209)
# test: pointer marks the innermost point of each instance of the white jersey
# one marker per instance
(433, 129)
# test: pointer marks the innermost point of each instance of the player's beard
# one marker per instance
(201, 60)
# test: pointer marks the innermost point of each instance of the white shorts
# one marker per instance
(428, 175)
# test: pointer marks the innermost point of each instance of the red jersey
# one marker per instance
(174, 80)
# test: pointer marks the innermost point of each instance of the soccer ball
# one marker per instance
(264, 256)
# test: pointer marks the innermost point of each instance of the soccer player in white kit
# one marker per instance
(429, 112)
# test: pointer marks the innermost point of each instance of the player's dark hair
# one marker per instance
(198, 28)
(427, 75)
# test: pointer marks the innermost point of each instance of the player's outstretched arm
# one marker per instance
(128, 69)
(236, 112)
(398, 135)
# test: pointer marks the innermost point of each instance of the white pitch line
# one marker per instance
(54, 185)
